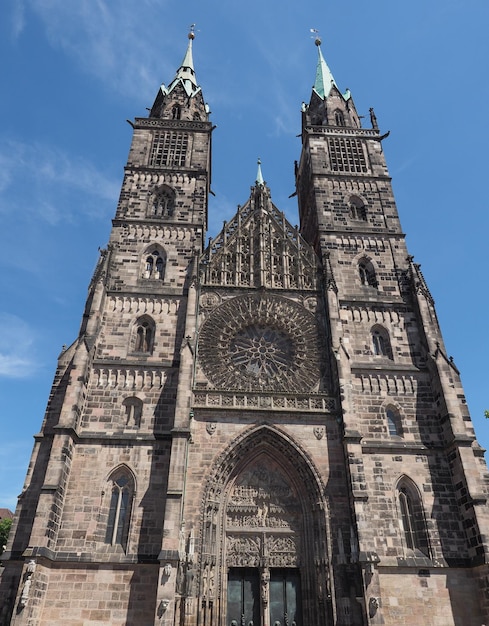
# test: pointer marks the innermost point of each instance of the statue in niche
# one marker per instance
(265, 579)
(189, 580)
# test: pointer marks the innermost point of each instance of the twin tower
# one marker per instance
(266, 431)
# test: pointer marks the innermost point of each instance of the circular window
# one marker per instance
(265, 343)
(261, 351)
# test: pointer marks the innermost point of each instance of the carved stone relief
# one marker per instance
(262, 519)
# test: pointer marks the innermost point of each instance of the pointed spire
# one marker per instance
(259, 175)
(186, 72)
(324, 78)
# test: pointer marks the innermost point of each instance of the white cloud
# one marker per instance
(18, 18)
(16, 340)
(114, 41)
(40, 180)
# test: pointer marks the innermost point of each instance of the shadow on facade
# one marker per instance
(450, 546)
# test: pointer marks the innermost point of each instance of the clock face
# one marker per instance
(260, 343)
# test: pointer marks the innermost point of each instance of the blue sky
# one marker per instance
(73, 72)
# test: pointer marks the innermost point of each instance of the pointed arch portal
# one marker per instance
(264, 552)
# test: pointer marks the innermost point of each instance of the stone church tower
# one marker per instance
(266, 431)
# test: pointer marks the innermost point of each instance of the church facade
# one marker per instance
(263, 431)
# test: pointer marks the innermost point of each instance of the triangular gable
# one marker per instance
(259, 248)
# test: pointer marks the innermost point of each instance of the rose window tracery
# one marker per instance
(261, 351)
(262, 343)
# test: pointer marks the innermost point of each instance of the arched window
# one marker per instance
(176, 112)
(122, 491)
(380, 342)
(144, 335)
(339, 118)
(163, 202)
(412, 518)
(133, 409)
(366, 273)
(358, 210)
(154, 264)
(394, 424)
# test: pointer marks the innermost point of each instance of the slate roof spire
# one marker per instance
(186, 72)
(183, 98)
(259, 176)
(324, 78)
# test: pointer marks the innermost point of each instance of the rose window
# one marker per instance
(260, 343)
(261, 352)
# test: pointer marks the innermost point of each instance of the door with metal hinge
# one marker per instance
(243, 606)
(285, 598)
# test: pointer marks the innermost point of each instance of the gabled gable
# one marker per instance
(259, 248)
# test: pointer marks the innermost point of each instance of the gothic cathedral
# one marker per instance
(263, 431)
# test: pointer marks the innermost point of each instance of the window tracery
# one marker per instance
(367, 274)
(163, 204)
(133, 410)
(358, 210)
(339, 118)
(412, 518)
(260, 342)
(154, 265)
(144, 335)
(122, 491)
(380, 342)
(394, 424)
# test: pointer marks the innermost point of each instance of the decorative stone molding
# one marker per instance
(398, 384)
(259, 402)
(165, 232)
(151, 122)
(128, 378)
(140, 306)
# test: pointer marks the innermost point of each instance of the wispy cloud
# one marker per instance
(14, 458)
(16, 341)
(18, 18)
(114, 41)
(47, 177)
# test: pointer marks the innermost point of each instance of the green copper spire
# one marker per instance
(324, 78)
(186, 73)
(259, 175)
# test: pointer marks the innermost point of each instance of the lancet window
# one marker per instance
(144, 335)
(339, 118)
(394, 424)
(358, 210)
(366, 273)
(412, 517)
(163, 204)
(133, 410)
(154, 264)
(380, 342)
(121, 495)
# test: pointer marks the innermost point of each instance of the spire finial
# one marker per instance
(259, 175)
(324, 79)
(316, 36)
(186, 73)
